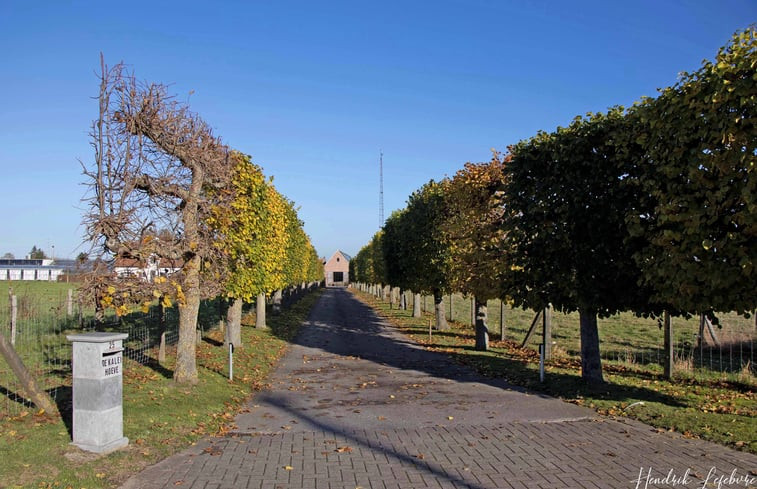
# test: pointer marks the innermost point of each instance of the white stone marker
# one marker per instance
(98, 424)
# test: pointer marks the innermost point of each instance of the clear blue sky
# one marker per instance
(314, 90)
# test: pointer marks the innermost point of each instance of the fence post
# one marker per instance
(14, 316)
(668, 357)
(547, 332)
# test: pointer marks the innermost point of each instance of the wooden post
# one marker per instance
(81, 312)
(38, 396)
(547, 332)
(668, 356)
(14, 316)
(162, 348)
(531, 329)
(711, 329)
(501, 320)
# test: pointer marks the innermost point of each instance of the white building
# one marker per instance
(23, 269)
(154, 267)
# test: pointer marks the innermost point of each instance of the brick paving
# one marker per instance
(354, 404)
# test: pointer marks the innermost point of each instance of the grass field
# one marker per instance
(717, 406)
(160, 417)
(627, 338)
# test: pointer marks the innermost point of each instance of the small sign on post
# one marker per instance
(231, 361)
(98, 391)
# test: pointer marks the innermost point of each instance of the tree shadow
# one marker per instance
(212, 341)
(341, 324)
(369, 443)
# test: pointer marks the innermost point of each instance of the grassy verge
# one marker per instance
(160, 417)
(723, 410)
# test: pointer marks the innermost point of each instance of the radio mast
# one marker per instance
(381, 189)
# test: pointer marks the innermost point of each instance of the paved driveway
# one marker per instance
(355, 404)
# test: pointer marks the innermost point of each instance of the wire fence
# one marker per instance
(726, 351)
(37, 321)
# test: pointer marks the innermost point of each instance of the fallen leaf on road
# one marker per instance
(213, 451)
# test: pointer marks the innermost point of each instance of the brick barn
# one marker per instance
(337, 269)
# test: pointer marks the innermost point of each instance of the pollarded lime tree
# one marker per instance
(699, 219)
(363, 264)
(379, 264)
(247, 237)
(474, 236)
(275, 247)
(154, 164)
(302, 262)
(416, 253)
(395, 250)
(566, 203)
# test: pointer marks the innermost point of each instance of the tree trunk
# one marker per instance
(502, 324)
(234, 324)
(277, 296)
(441, 319)
(186, 362)
(260, 312)
(416, 305)
(591, 362)
(482, 331)
(37, 395)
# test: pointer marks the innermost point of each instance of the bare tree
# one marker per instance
(157, 166)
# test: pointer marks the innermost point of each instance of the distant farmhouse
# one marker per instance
(25, 269)
(337, 269)
(147, 271)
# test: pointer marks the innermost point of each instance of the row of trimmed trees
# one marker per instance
(163, 188)
(646, 209)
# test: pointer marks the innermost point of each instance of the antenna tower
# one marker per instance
(381, 189)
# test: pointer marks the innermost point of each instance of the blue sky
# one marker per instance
(315, 90)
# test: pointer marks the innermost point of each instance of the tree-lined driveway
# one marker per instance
(355, 404)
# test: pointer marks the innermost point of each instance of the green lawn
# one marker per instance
(720, 407)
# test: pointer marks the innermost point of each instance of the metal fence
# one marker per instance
(724, 351)
(37, 327)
